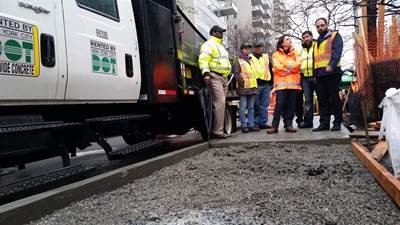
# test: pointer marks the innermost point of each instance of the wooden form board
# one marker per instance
(361, 134)
(375, 125)
(379, 150)
(388, 182)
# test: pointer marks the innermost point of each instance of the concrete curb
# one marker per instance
(338, 141)
(35, 207)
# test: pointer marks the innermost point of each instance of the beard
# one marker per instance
(322, 31)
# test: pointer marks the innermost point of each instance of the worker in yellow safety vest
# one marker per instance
(327, 54)
(215, 67)
(246, 79)
(307, 83)
(263, 69)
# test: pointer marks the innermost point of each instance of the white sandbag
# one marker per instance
(390, 127)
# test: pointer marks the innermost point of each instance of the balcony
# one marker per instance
(258, 2)
(205, 18)
(257, 11)
(267, 5)
(259, 31)
(278, 16)
(258, 22)
(267, 25)
(267, 15)
(227, 9)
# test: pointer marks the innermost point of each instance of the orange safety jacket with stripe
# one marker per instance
(286, 70)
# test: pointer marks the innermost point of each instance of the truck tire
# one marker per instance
(230, 119)
(229, 122)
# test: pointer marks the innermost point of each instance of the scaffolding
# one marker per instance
(376, 71)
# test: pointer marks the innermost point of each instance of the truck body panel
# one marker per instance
(98, 42)
(22, 74)
(155, 28)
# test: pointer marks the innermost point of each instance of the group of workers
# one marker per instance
(292, 74)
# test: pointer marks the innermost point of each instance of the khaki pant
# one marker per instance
(219, 88)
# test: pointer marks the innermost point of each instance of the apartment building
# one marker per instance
(207, 13)
(280, 21)
(265, 19)
(254, 16)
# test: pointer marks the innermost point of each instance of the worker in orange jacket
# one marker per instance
(286, 68)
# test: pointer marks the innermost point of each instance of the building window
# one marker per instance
(236, 27)
(106, 8)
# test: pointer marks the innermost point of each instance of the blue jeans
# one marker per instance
(308, 85)
(261, 104)
(247, 101)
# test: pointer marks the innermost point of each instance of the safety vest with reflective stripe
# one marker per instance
(248, 74)
(307, 61)
(214, 57)
(323, 52)
(261, 67)
(286, 70)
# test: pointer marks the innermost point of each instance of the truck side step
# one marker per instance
(124, 152)
(28, 142)
(44, 182)
(36, 127)
(117, 118)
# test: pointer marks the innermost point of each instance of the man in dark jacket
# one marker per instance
(327, 55)
(307, 81)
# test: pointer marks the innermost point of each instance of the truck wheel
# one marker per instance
(230, 119)
(229, 122)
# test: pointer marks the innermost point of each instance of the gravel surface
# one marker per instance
(270, 184)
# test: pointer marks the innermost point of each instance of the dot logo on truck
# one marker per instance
(13, 50)
(103, 58)
(19, 48)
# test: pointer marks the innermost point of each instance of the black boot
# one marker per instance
(336, 127)
(304, 125)
(321, 128)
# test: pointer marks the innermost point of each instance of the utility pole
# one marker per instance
(355, 11)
